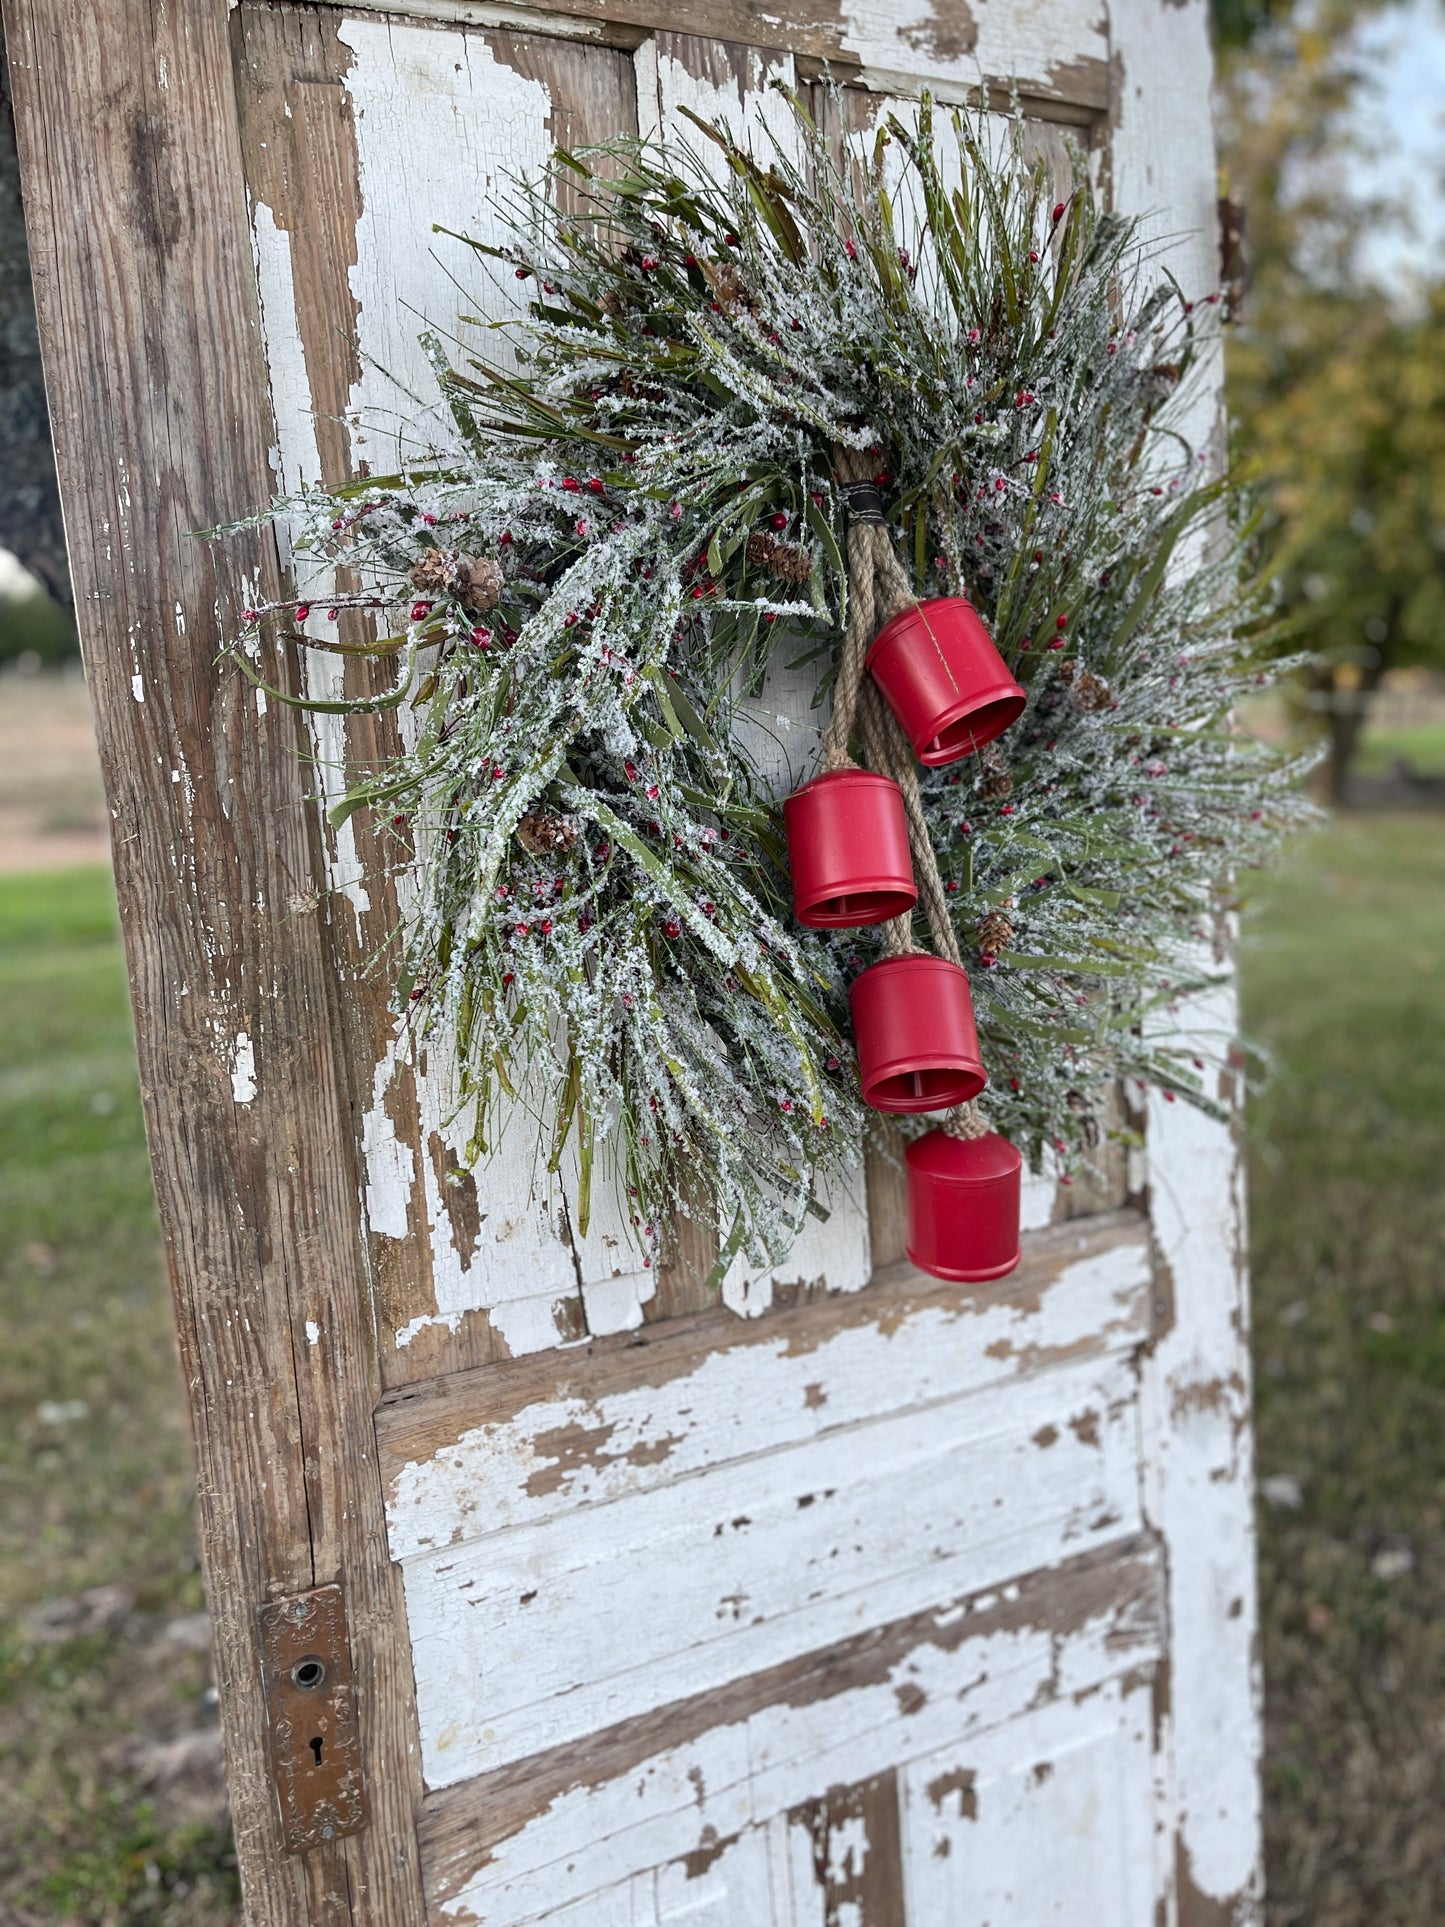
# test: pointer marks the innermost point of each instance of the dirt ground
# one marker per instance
(52, 811)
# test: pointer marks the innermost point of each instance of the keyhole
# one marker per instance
(316, 1750)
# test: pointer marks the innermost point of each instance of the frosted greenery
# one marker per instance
(600, 904)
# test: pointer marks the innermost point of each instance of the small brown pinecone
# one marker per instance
(995, 933)
(791, 563)
(431, 573)
(1088, 693)
(474, 580)
(995, 778)
(543, 835)
(761, 549)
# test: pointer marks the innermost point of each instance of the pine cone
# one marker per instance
(995, 778)
(474, 580)
(790, 563)
(995, 933)
(430, 574)
(761, 549)
(542, 835)
(1088, 693)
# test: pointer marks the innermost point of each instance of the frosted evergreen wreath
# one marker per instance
(754, 409)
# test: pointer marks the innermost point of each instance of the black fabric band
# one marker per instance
(864, 500)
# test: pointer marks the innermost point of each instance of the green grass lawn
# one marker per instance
(1422, 747)
(1344, 979)
(94, 1465)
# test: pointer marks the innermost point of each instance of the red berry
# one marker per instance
(545, 926)
(507, 976)
(649, 262)
(523, 273)
(505, 536)
(332, 614)
(1061, 622)
(731, 239)
(420, 611)
(778, 521)
(672, 927)
(571, 484)
(498, 772)
(303, 609)
(1059, 210)
(398, 822)
(481, 637)
(596, 485)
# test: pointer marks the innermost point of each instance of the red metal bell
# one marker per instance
(914, 1031)
(963, 1205)
(848, 850)
(944, 680)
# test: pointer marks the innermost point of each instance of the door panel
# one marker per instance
(829, 1601)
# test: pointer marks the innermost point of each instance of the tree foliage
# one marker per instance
(1336, 387)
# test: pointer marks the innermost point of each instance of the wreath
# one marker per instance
(892, 417)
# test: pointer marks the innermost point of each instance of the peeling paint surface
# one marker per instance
(243, 1069)
(869, 1605)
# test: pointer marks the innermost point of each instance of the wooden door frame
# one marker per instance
(146, 296)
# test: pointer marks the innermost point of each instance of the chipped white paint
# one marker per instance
(616, 1547)
(138, 688)
(297, 456)
(956, 1698)
(1021, 1823)
(313, 1332)
(243, 1069)
(1198, 1462)
(390, 1164)
(761, 1505)
(592, 1446)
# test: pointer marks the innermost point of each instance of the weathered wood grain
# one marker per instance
(146, 296)
(734, 1502)
(1081, 1289)
(674, 1786)
(1058, 56)
(1199, 1461)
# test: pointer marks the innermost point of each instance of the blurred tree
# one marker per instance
(1336, 389)
(30, 524)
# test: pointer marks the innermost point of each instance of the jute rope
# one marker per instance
(877, 590)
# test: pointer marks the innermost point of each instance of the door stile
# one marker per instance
(146, 297)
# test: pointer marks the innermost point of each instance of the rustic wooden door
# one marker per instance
(852, 1600)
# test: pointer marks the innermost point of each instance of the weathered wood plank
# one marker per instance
(1199, 1465)
(676, 1785)
(793, 1467)
(854, 1835)
(146, 297)
(1047, 1820)
(720, 1572)
(1058, 55)
(1081, 1290)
